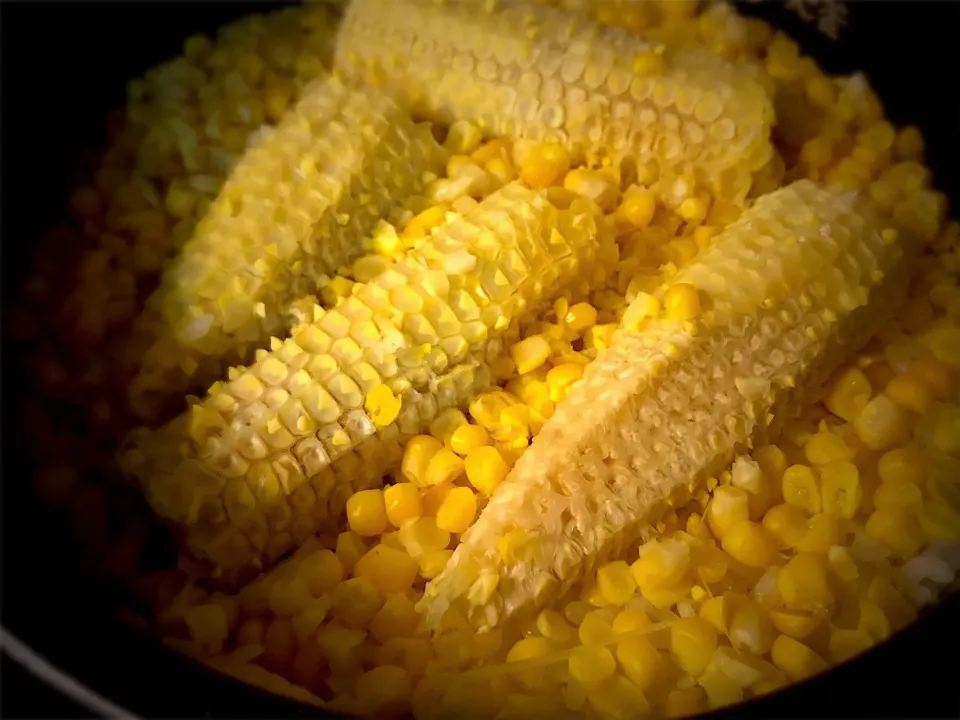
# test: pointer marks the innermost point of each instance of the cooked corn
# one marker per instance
(794, 303)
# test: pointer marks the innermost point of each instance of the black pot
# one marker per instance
(64, 67)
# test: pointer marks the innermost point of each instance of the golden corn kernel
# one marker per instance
(447, 423)
(849, 394)
(840, 489)
(803, 583)
(825, 447)
(751, 629)
(530, 353)
(544, 165)
(800, 488)
(444, 467)
(685, 702)
(590, 665)
(795, 624)
(663, 563)
(595, 629)
(592, 184)
(897, 528)
(796, 659)
(402, 503)
(823, 532)
(486, 469)
(901, 465)
(639, 660)
(616, 582)
(529, 648)
(432, 562)
(467, 438)
(693, 210)
(420, 225)
(366, 512)
(350, 548)
(643, 307)
(909, 392)
(458, 510)
(388, 569)
(422, 535)
(750, 543)
(729, 507)
(417, 456)
(580, 317)
(880, 424)
(682, 302)
(692, 643)
(321, 571)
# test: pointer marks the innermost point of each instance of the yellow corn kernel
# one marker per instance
(751, 629)
(909, 392)
(467, 438)
(944, 343)
(486, 469)
(384, 691)
(366, 512)
(530, 353)
(685, 702)
(421, 224)
(693, 210)
(874, 621)
(402, 502)
(447, 423)
(594, 629)
(389, 570)
(592, 184)
(935, 374)
(897, 528)
(530, 648)
(845, 644)
(903, 495)
(750, 543)
(561, 377)
(796, 659)
(803, 583)
(880, 424)
(729, 507)
(397, 618)
(356, 602)
(590, 665)
(840, 489)
(801, 488)
(823, 532)
(544, 165)
(842, 563)
(433, 498)
(432, 562)
(826, 447)
(662, 563)
(552, 626)
(321, 571)
(717, 612)
(444, 467)
(692, 643)
(946, 433)
(849, 394)
(794, 624)
(350, 548)
(382, 405)
(417, 456)
(639, 660)
(617, 699)
(629, 620)
(772, 462)
(616, 582)
(682, 302)
(721, 689)
(638, 206)
(580, 316)
(420, 535)
(458, 510)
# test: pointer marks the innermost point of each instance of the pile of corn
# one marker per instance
(802, 554)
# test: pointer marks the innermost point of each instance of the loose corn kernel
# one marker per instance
(662, 563)
(638, 206)
(444, 467)
(592, 184)
(420, 225)
(880, 424)
(350, 548)
(772, 462)
(897, 528)
(803, 583)
(458, 510)
(751, 629)
(630, 619)
(944, 343)
(367, 513)
(467, 438)
(321, 571)
(720, 688)
(433, 498)
(823, 532)
(590, 665)
(750, 543)
(530, 648)
(447, 423)
(552, 626)
(693, 210)
(396, 618)
(845, 644)
(849, 394)
(421, 535)
(716, 611)
(580, 317)
(530, 353)
(384, 690)
(639, 660)
(935, 374)
(486, 469)
(382, 405)
(692, 643)
(682, 302)
(873, 621)
(356, 602)
(794, 624)
(825, 447)
(729, 507)
(544, 165)
(800, 488)
(842, 563)
(901, 494)
(561, 377)
(796, 659)
(840, 489)
(594, 629)
(616, 582)
(389, 570)
(909, 392)
(432, 562)
(685, 702)
(417, 455)
(402, 503)
(463, 137)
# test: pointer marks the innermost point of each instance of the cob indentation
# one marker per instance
(272, 455)
(687, 121)
(800, 280)
(296, 208)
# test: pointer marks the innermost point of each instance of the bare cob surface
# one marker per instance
(803, 278)
(295, 209)
(271, 456)
(685, 120)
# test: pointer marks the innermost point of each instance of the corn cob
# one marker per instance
(296, 208)
(685, 121)
(802, 279)
(272, 455)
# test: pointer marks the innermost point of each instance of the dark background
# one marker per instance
(64, 65)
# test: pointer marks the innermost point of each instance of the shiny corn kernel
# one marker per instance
(432, 562)
(909, 392)
(321, 571)
(561, 377)
(356, 602)
(796, 659)
(845, 644)
(716, 611)
(467, 438)
(486, 469)
(629, 620)
(897, 528)
(530, 353)
(402, 503)
(801, 488)
(366, 512)
(693, 210)
(880, 424)
(420, 225)
(772, 462)
(421, 535)
(447, 423)
(823, 532)
(938, 378)
(729, 507)
(530, 648)
(552, 626)
(580, 316)
(720, 688)
(396, 618)
(842, 563)
(590, 665)
(643, 307)
(682, 302)
(594, 629)
(750, 543)
(840, 489)
(901, 495)
(592, 184)
(685, 702)
(825, 447)
(458, 510)
(849, 394)
(417, 456)
(350, 548)
(616, 582)
(389, 570)
(662, 563)
(639, 660)
(638, 206)
(444, 467)
(692, 643)
(804, 584)
(544, 165)
(618, 699)
(751, 629)
(795, 624)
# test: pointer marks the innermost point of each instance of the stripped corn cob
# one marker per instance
(802, 279)
(273, 453)
(688, 121)
(296, 208)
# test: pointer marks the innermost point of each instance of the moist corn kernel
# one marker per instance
(751, 629)
(388, 569)
(639, 660)
(750, 543)
(729, 507)
(682, 302)
(544, 165)
(402, 503)
(467, 438)
(849, 394)
(909, 392)
(880, 424)
(444, 467)
(595, 629)
(692, 643)
(796, 659)
(787, 523)
(804, 584)
(590, 665)
(840, 489)
(366, 512)
(580, 317)
(616, 582)
(897, 528)
(801, 488)
(486, 469)
(458, 510)
(530, 353)
(416, 457)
